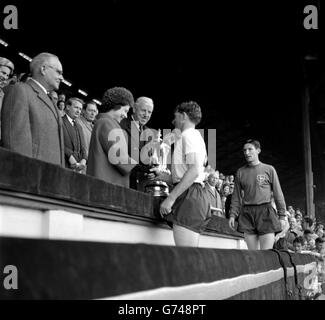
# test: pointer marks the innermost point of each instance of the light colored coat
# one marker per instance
(30, 123)
(87, 129)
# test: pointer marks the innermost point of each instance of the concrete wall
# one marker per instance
(63, 224)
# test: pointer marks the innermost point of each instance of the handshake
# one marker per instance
(77, 166)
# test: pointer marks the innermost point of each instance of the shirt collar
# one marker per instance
(41, 86)
(70, 120)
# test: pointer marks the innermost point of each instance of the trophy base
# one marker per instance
(157, 188)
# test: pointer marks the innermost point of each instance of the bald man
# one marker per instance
(135, 126)
(31, 124)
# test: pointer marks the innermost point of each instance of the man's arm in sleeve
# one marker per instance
(236, 198)
(278, 194)
(84, 154)
(115, 146)
(16, 130)
(68, 152)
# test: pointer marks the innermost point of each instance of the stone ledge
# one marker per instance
(55, 187)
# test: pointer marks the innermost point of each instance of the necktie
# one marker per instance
(141, 139)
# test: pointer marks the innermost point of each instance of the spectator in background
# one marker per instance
(320, 249)
(294, 228)
(291, 211)
(298, 211)
(135, 126)
(6, 70)
(308, 236)
(219, 185)
(288, 214)
(31, 125)
(61, 108)
(298, 245)
(107, 159)
(319, 230)
(62, 97)
(231, 189)
(224, 195)
(298, 218)
(86, 121)
(74, 144)
(214, 196)
(285, 240)
(309, 224)
(320, 246)
(228, 201)
(258, 220)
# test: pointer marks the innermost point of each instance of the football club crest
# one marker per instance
(261, 178)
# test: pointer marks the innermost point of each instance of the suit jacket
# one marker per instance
(101, 161)
(73, 146)
(133, 136)
(136, 141)
(30, 123)
(214, 197)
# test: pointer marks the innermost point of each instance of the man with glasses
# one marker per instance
(30, 123)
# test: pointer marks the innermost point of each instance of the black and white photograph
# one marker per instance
(159, 153)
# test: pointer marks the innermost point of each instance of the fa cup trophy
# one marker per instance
(157, 187)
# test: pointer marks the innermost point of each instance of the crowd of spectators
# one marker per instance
(306, 236)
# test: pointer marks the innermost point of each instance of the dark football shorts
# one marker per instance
(191, 209)
(258, 219)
